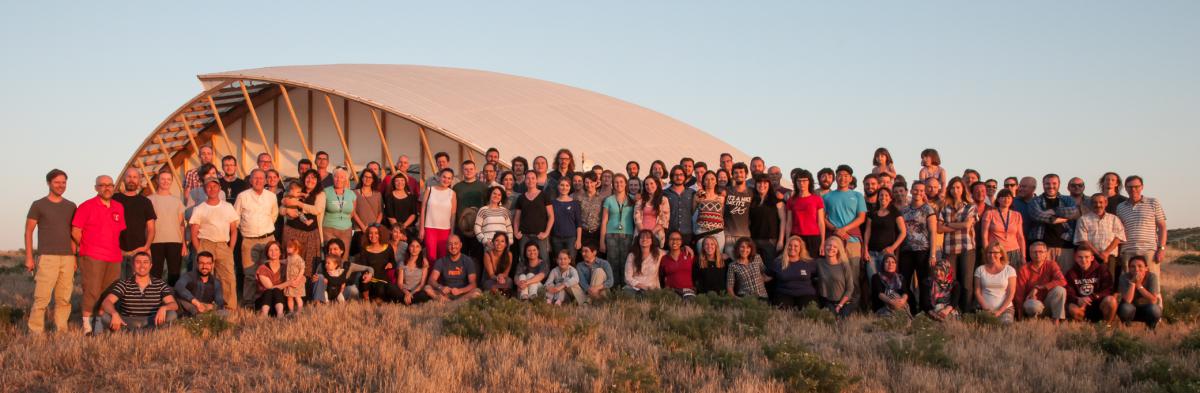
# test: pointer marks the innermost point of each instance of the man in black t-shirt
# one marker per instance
(139, 220)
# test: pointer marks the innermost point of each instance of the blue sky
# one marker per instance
(1013, 88)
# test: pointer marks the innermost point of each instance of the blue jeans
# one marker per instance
(561, 243)
(131, 323)
(321, 294)
(617, 249)
(1148, 313)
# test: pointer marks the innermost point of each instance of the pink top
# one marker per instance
(1003, 228)
(101, 226)
(649, 215)
(804, 214)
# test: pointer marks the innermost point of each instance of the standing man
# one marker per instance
(1055, 215)
(682, 201)
(871, 191)
(97, 228)
(139, 220)
(492, 156)
(1145, 227)
(845, 212)
(689, 168)
(323, 174)
(1023, 204)
(256, 211)
(412, 184)
(214, 225)
(191, 179)
(55, 264)
(824, 181)
(230, 183)
(1075, 188)
(1102, 233)
(442, 160)
(470, 197)
(737, 208)
(264, 163)
(726, 163)
(776, 175)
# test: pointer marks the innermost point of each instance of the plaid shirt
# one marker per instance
(957, 242)
(747, 280)
(1066, 208)
(1100, 231)
(191, 179)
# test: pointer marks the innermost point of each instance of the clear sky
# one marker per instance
(1010, 88)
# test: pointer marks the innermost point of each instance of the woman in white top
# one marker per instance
(438, 208)
(996, 284)
(641, 266)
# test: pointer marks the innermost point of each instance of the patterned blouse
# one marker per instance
(915, 221)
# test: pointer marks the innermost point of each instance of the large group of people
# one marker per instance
(877, 243)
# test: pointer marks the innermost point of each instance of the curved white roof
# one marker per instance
(519, 116)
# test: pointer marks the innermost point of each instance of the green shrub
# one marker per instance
(1191, 342)
(925, 345)
(206, 325)
(634, 377)
(489, 315)
(303, 349)
(817, 314)
(1121, 345)
(1167, 377)
(892, 323)
(1189, 259)
(804, 371)
(702, 328)
(11, 315)
(982, 319)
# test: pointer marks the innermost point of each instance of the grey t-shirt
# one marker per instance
(53, 224)
(737, 212)
(166, 227)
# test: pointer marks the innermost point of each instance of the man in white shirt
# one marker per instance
(256, 209)
(214, 226)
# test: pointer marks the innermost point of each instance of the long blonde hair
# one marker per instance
(804, 255)
(716, 258)
(840, 245)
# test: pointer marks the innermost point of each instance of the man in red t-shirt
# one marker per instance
(97, 228)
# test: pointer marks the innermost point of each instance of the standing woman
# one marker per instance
(1004, 226)
(540, 166)
(653, 211)
(767, 215)
(658, 170)
(745, 277)
(641, 267)
(883, 162)
(534, 217)
(567, 233)
(169, 247)
(710, 210)
(794, 274)
(957, 222)
(438, 214)
(508, 180)
(616, 223)
(723, 179)
(997, 284)
(885, 233)
(807, 212)
(590, 204)
(493, 219)
(400, 207)
(339, 207)
(368, 205)
(564, 167)
(302, 219)
(916, 256)
(835, 278)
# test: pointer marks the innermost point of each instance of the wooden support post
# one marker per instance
(225, 135)
(299, 132)
(142, 166)
(192, 139)
(171, 164)
(387, 152)
(257, 124)
(341, 135)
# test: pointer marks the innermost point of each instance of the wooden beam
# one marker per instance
(195, 146)
(311, 140)
(224, 134)
(174, 171)
(296, 122)
(275, 129)
(341, 135)
(257, 124)
(387, 152)
(425, 146)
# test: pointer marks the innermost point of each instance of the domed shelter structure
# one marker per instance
(360, 113)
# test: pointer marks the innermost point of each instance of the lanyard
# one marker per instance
(1004, 220)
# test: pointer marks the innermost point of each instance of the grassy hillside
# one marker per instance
(655, 343)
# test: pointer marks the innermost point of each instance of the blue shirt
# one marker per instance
(585, 273)
(1028, 221)
(567, 218)
(842, 207)
(681, 209)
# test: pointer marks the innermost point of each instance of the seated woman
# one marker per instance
(939, 289)
(795, 276)
(410, 277)
(531, 273)
(887, 289)
(272, 280)
(1140, 298)
(563, 279)
(641, 267)
(675, 266)
(327, 277)
(836, 278)
(745, 276)
(380, 257)
(711, 272)
(497, 264)
(996, 284)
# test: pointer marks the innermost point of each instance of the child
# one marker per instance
(883, 163)
(295, 268)
(562, 279)
(931, 167)
(331, 281)
(295, 193)
(941, 291)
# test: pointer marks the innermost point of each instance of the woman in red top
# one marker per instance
(806, 211)
(272, 280)
(675, 266)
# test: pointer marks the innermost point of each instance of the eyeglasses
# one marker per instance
(1075, 185)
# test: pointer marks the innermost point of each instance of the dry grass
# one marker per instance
(650, 344)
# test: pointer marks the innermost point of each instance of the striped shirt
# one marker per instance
(959, 241)
(1099, 231)
(1140, 220)
(133, 301)
(492, 221)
